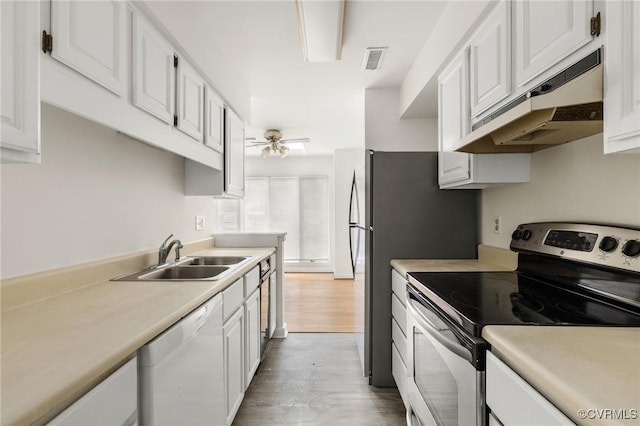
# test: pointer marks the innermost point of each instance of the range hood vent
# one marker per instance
(564, 108)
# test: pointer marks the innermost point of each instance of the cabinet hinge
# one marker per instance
(595, 25)
(175, 120)
(175, 61)
(47, 42)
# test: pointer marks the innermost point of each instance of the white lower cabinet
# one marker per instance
(112, 402)
(513, 401)
(399, 334)
(233, 332)
(20, 82)
(622, 78)
(252, 313)
(252, 331)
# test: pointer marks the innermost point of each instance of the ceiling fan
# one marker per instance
(274, 144)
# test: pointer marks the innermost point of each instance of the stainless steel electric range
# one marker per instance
(568, 274)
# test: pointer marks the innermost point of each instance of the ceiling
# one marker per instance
(255, 46)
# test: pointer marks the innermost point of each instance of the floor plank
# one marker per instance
(315, 302)
(316, 379)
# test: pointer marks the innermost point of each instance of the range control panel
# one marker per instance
(604, 245)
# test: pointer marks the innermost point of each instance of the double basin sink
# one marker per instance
(192, 268)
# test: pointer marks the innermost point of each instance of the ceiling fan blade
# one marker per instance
(300, 140)
(258, 143)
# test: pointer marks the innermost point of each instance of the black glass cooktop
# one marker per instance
(476, 299)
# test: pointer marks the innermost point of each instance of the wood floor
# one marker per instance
(317, 303)
(316, 379)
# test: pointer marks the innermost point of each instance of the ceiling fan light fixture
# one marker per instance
(283, 150)
(321, 27)
(266, 151)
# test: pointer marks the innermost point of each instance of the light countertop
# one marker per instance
(57, 348)
(489, 259)
(575, 367)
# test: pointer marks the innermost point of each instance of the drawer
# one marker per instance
(399, 339)
(399, 372)
(399, 312)
(232, 298)
(399, 285)
(251, 281)
(514, 401)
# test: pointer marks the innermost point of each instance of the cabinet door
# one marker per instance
(233, 331)
(453, 120)
(546, 32)
(153, 71)
(252, 340)
(89, 36)
(20, 113)
(490, 60)
(112, 402)
(190, 101)
(234, 155)
(622, 77)
(214, 122)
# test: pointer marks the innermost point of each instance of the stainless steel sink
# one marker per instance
(194, 268)
(215, 260)
(179, 272)
(185, 273)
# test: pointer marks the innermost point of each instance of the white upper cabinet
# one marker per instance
(234, 155)
(214, 121)
(453, 120)
(89, 36)
(490, 60)
(622, 77)
(190, 101)
(545, 32)
(20, 83)
(154, 75)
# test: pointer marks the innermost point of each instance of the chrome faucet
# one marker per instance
(165, 249)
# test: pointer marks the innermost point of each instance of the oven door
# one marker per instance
(444, 388)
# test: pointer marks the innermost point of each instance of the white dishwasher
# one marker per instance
(181, 371)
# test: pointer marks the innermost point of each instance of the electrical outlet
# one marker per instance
(200, 223)
(497, 225)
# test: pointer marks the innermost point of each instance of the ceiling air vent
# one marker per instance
(373, 57)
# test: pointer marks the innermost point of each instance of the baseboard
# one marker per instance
(343, 276)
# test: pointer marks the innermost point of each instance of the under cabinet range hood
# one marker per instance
(565, 108)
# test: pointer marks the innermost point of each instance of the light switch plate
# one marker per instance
(200, 223)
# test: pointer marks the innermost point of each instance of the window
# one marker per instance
(297, 205)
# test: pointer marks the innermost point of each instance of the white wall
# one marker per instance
(572, 182)
(299, 166)
(345, 162)
(97, 194)
(384, 129)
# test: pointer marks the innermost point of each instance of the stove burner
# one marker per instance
(526, 309)
(517, 299)
(462, 300)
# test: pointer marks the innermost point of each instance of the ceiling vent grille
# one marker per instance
(373, 57)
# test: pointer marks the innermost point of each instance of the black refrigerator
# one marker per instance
(407, 216)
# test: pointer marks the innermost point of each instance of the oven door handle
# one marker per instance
(429, 327)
